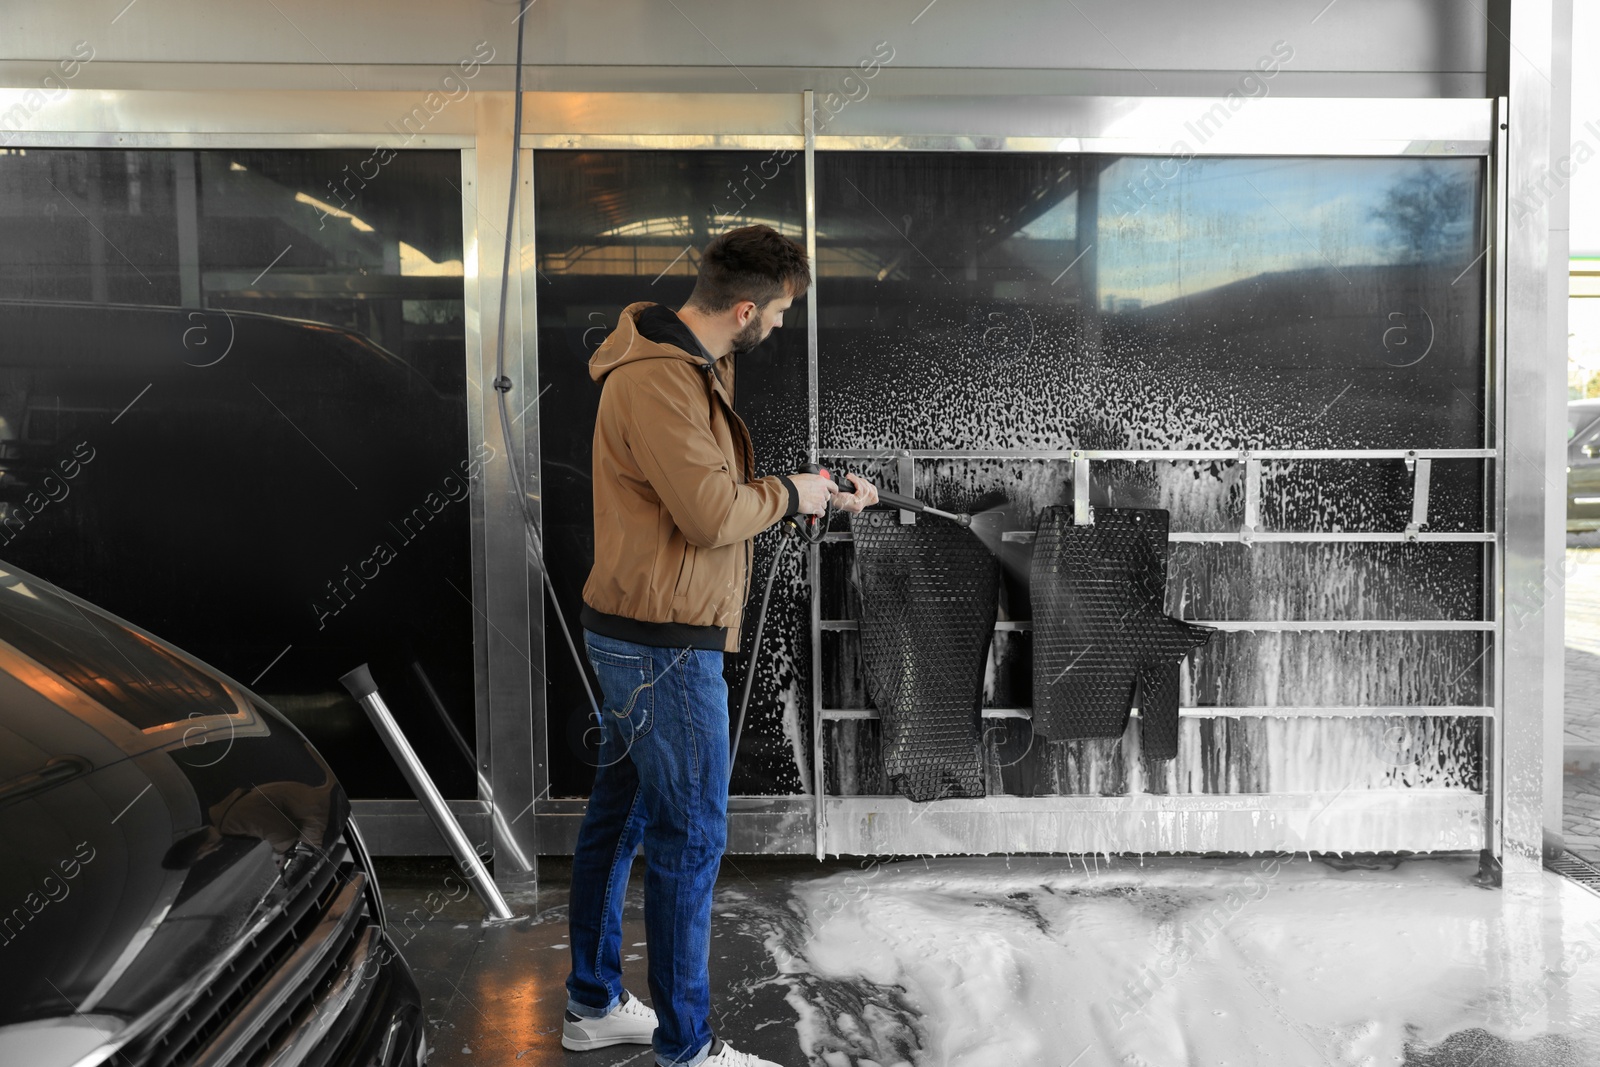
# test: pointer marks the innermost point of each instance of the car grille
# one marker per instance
(274, 982)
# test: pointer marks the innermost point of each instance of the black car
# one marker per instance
(295, 467)
(181, 881)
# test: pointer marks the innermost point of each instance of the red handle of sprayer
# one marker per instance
(812, 519)
(894, 500)
(812, 468)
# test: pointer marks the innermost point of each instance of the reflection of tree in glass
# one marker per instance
(1429, 214)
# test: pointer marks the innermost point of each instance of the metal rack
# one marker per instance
(1418, 462)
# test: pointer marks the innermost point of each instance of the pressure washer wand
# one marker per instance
(908, 503)
(904, 503)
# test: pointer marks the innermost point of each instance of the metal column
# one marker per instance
(512, 596)
(1522, 68)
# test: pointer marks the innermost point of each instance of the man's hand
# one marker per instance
(814, 491)
(865, 495)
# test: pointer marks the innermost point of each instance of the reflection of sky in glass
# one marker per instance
(1216, 221)
(1060, 223)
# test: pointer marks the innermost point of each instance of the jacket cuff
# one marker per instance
(794, 496)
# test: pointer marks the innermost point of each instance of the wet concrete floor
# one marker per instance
(1522, 986)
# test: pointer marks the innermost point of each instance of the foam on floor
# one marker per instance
(1259, 961)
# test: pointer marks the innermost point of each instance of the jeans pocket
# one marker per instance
(627, 685)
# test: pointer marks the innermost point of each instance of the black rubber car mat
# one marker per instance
(1101, 637)
(928, 596)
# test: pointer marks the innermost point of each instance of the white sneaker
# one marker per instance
(723, 1054)
(630, 1022)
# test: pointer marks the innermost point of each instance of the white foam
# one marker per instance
(1236, 962)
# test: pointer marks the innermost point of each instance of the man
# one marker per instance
(675, 508)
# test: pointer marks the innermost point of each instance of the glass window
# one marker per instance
(1009, 301)
(1580, 417)
(621, 226)
(1589, 440)
(233, 411)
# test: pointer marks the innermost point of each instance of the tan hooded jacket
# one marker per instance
(674, 509)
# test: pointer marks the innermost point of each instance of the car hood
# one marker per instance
(82, 684)
(139, 847)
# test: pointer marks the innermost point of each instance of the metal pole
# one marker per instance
(361, 686)
(1491, 863)
(813, 435)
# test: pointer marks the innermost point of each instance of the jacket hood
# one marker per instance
(626, 344)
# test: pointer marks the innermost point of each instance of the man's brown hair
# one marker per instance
(754, 263)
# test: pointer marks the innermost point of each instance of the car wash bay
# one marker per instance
(1291, 326)
(1344, 707)
(1040, 338)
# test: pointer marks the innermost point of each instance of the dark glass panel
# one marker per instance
(233, 411)
(618, 227)
(1001, 301)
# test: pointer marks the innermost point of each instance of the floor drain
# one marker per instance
(1570, 866)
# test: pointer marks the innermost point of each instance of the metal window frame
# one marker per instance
(508, 623)
(503, 616)
(864, 825)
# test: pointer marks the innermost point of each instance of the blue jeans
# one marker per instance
(662, 779)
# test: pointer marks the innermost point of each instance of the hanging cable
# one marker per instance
(812, 531)
(502, 384)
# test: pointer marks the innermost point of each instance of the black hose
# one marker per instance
(755, 652)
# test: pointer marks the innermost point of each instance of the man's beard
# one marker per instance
(749, 337)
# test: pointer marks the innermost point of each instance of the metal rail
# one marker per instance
(1204, 455)
(1262, 711)
(1418, 461)
(1247, 625)
(1024, 537)
(1309, 536)
(361, 686)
